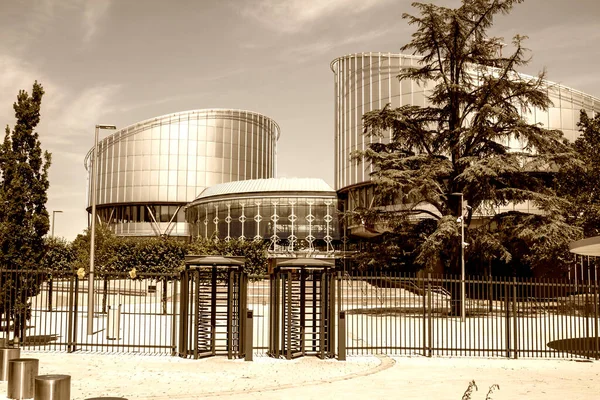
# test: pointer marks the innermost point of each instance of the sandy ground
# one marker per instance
(148, 377)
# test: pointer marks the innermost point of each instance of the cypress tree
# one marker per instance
(24, 219)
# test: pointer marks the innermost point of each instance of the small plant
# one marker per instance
(473, 388)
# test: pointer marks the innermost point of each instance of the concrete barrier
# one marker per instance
(53, 387)
(21, 378)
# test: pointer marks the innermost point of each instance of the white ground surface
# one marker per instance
(146, 377)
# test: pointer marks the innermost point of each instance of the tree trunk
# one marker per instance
(164, 297)
(50, 294)
(104, 295)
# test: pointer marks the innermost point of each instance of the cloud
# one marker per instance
(36, 19)
(325, 46)
(290, 16)
(93, 13)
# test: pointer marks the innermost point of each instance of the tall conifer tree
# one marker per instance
(23, 216)
(473, 135)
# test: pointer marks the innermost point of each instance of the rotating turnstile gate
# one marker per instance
(302, 303)
(212, 307)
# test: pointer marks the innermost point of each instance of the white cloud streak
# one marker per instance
(290, 16)
(93, 14)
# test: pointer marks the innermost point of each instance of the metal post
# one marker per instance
(462, 260)
(90, 310)
(429, 316)
(53, 215)
(515, 319)
(174, 318)
(342, 336)
(461, 219)
(248, 347)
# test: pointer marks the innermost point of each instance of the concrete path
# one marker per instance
(382, 377)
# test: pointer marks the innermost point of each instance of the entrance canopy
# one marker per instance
(586, 247)
(213, 261)
(319, 263)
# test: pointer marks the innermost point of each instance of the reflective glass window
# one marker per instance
(173, 146)
(164, 146)
(173, 164)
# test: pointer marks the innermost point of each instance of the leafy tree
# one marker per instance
(518, 244)
(159, 256)
(471, 137)
(23, 215)
(579, 180)
(255, 252)
(105, 252)
(57, 261)
(395, 250)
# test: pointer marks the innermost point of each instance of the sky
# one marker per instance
(123, 61)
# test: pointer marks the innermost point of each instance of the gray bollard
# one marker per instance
(342, 336)
(106, 398)
(248, 348)
(21, 378)
(52, 387)
(5, 356)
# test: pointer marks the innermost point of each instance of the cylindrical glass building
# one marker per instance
(292, 214)
(368, 81)
(148, 171)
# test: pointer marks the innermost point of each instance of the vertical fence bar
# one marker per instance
(507, 317)
(515, 319)
(70, 316)
(596, 336)
(429, 317)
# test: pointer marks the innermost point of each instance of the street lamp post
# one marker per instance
(53, 215)
(90, 310)
(50, 281)
(461, 219)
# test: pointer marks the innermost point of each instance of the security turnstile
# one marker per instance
(212, 310)
(302, 303)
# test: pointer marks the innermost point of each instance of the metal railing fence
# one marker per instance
(505, 317)
(390, 313)
(131, 315)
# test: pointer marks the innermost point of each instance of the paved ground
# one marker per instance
(147, 377)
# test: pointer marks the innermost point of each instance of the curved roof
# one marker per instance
(272, 185)
(586, 247)
(547, 83)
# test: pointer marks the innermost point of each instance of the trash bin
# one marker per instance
(114, 322)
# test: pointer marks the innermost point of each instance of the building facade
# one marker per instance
(292, 214)
(149, 171)
(368, 81)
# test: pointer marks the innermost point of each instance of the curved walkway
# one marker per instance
(382, 377)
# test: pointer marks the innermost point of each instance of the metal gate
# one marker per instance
(213, 305)
(302, 308)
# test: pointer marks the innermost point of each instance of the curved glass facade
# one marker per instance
(293, 219)
(148, 171)
(368, 81)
